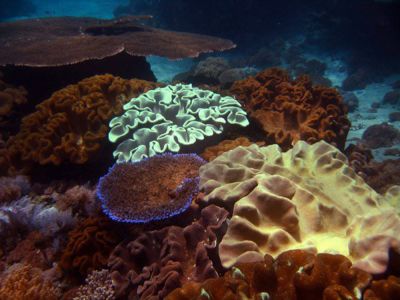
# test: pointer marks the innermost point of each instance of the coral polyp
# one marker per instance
(153, 189)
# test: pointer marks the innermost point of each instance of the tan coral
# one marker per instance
(305, 198)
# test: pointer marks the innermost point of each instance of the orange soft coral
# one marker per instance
(89, 246)
(295, 274)
(72, 124)
(291, 110)
(23, 282)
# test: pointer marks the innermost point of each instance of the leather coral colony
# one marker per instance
(305, 198)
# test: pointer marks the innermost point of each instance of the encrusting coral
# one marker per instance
(295, 274)
(89, 246)
(72, 124)
(165, 119)
(155, 188)
(291, 110)
(305, 198)
(156, 262)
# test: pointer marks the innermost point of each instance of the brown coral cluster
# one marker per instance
(295, 274)
(156, 262)
(291, 110)
(89, 246)
(72, 124)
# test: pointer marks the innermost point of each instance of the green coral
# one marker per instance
(166, 118)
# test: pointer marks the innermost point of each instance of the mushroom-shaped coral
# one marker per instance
(153, 189)
(71, 125)
(305, 198)
(166, 118)
(291, 110)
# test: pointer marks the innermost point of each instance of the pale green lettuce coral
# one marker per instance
(164, 119)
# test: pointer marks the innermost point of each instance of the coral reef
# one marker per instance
(166, 119)
(386, 289)
(156, 262)
(20, 217)
(89, 245)
(36, 250)
(71, 125)
(305, 198)
(381, 135)
(79, 199)
(98, 286)
(156, 188)
(392, 97)
(26, 282)
(213, 151)
(11, 100)
(291, 110)
(295, 274)
(13, 188)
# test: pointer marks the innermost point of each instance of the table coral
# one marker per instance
(156, 262)
(165, 119)
(71, 125)
(305, 198)
(156, 188)
(291, 110)
(89, 246)
(293, 275)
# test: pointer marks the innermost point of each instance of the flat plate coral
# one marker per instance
(37, 42)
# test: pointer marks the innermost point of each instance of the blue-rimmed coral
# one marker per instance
(153, 189)
(168, 118)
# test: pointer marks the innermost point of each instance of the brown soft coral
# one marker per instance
(291, 110)
(23, 282)
(385, 289)
(213, 151)
(89, 246)
(11, 98)
(72, 124)
(295, 274)
(156, 262)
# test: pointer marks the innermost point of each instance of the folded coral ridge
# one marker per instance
(153, 189)
(165, 119)
(305, 198)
